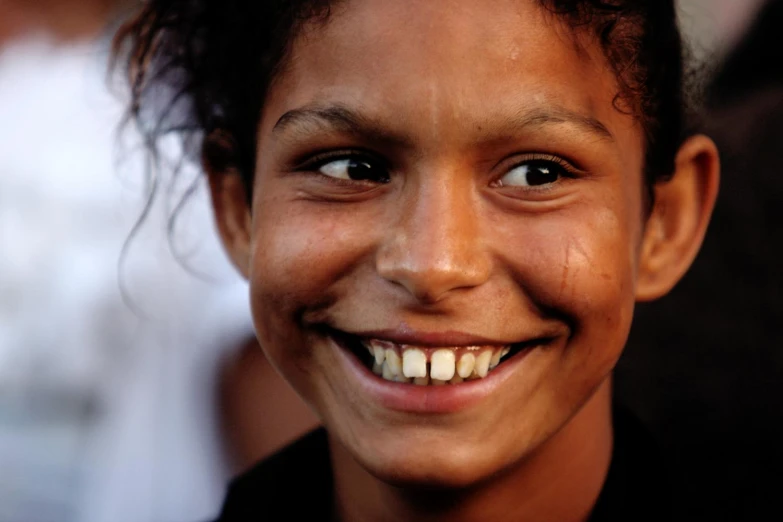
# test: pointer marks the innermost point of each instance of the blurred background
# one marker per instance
(129, 378)
(130, 384)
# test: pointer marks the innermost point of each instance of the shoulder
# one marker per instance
(275, 488)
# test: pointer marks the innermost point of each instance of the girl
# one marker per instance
(446, 212)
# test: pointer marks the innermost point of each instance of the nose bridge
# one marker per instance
(435, 246)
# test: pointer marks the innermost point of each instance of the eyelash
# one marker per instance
(570, 169)
(314, 162)
(567, 168)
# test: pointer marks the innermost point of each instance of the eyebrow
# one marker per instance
(347, 120)
(555, 115)
(341, 118)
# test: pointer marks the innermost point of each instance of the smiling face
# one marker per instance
(445, 178)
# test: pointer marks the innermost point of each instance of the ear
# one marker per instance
(229, 199)
(675, 229)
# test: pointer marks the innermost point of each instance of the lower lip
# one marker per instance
(449, 398)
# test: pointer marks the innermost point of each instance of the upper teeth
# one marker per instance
(433, 366)
(442, 364)
(465, 365)
(414, 363)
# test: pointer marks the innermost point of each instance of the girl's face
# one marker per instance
(452, 179)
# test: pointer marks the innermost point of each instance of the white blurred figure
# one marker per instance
(105, 414)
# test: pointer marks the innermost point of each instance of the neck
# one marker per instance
(560, 481)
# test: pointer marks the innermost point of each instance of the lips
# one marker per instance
(402, 394)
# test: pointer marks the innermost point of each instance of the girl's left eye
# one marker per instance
(354, 169)
(533, 174)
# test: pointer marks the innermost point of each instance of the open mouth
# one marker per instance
(427, 365)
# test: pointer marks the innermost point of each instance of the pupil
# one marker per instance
(363, 171)
(541, 175)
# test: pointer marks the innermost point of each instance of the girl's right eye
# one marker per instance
(353, 169)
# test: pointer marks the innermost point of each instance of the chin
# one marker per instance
(433, 465)
(412, 476)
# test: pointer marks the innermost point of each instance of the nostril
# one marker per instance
(433, 285)
(429, 278)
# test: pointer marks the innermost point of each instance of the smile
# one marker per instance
(426, 365)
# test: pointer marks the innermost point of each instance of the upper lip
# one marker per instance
(430, 339)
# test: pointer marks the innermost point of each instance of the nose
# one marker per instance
(435, 247)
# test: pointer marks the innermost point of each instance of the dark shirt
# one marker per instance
(296, 483)
(637, 487)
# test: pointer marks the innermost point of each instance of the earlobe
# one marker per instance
(678, 222)
(229, 202)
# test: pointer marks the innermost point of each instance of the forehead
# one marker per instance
(446, 66)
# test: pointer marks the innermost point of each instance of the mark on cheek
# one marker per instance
(574, 257)
(566, 266)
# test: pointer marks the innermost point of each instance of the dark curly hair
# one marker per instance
(201, 69)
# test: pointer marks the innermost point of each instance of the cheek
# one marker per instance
(299, 251)
(581, 265)
(598, 265)
(580, 269)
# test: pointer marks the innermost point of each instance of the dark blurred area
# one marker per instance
(704, 365)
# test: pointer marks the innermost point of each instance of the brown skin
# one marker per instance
(457, 98)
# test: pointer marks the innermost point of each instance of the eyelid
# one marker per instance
(571, 170)
(313, 162)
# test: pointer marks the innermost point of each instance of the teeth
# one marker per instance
(495, 360)
(482, 364)
(393, 361)
(386, 372)
(465, 365)
(414, 363)
(379, 354)
(444, 368)
(442, 365)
